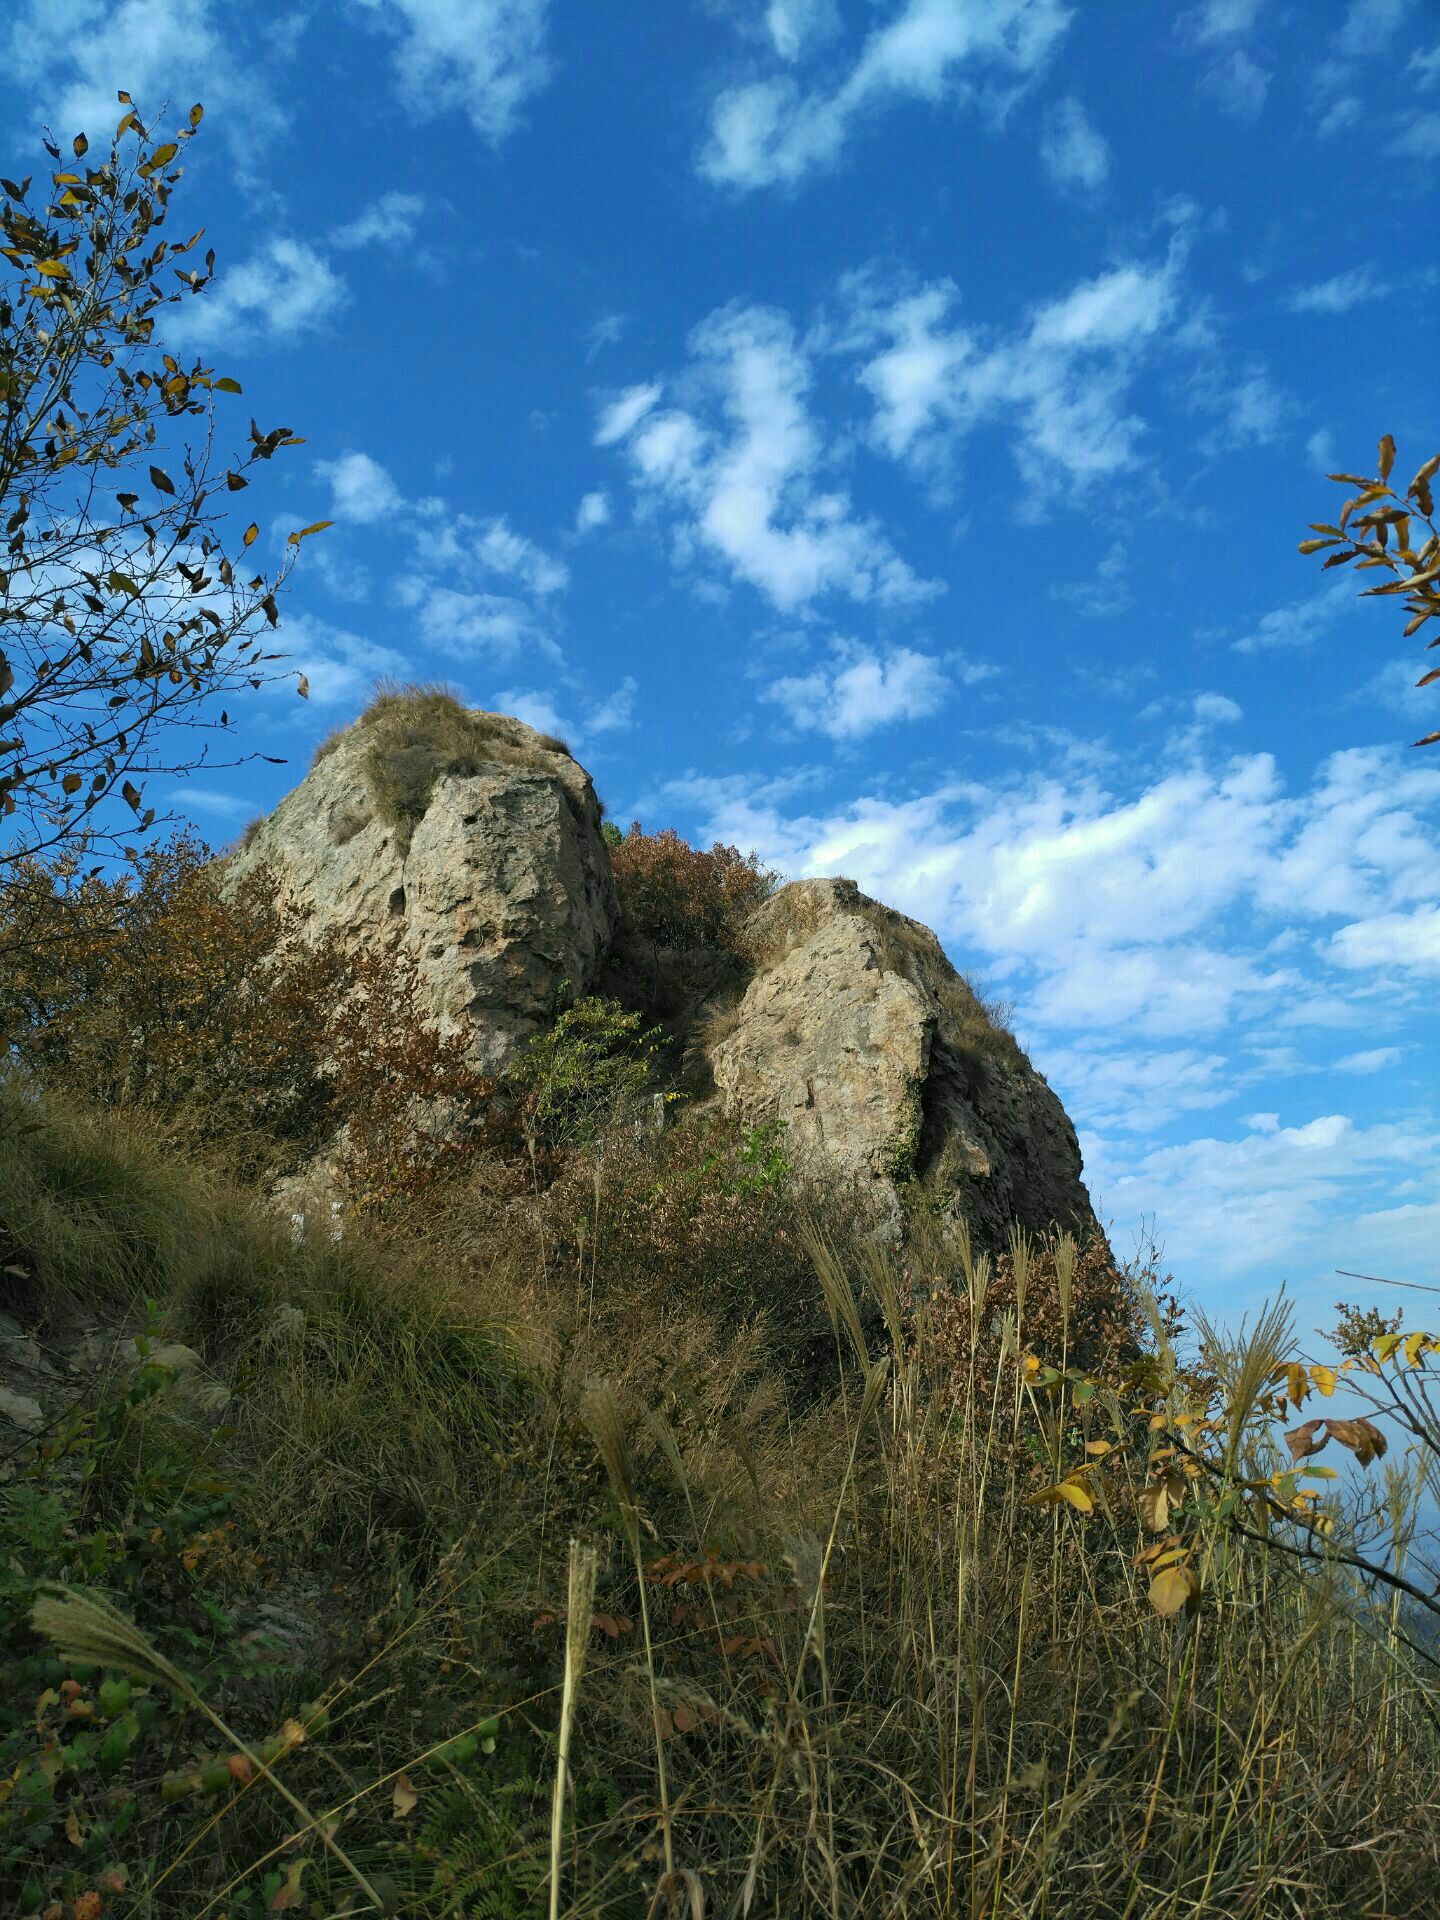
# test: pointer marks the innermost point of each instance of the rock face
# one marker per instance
(858, 1033)
(474, 843)
(496, 881)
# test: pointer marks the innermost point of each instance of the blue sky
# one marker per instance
(877, 432)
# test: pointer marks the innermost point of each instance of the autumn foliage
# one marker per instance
(676, 895)
(169, 990)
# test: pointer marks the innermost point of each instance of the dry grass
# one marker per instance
(414, 735)
(838, 1668)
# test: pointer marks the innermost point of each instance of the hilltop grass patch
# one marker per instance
(414, 735)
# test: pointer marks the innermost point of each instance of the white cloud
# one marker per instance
(774, 132)
(1300, 623)
(386, 221)
(1418, 138)
(1107, 592)
(1239, 84)
(361, 490)
(70, 56)
(615, 714)
(1062, 380)
(619, 418)
(862, 692)
(740, 475)
(286, 290)
(1217, 709)
(797, 26)
(478, 548)
(593, 511)
(485, 58)
(535, 709)
(1370, 1060)
(606, 332)
(1180, 909)
(1339, 293)
(1220, 20)
(1410, 941)
(1320, 451)
(1304, 1199)
(340, 666)
(1138, 1091)
(1072, 147)
(464, 622)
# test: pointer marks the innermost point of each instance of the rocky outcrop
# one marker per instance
(858, 1033)
(479, 853)
(474, 843)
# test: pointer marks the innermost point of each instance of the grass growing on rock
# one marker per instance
(415, 734)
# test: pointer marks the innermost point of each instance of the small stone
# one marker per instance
(21, 1411)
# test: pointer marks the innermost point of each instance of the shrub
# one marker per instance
(167, 991)
(595, 1061)
(675, 895)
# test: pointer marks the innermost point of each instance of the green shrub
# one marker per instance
(594, 1062)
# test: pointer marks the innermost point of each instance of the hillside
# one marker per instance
(674, 1440)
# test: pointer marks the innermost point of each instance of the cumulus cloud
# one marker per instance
(1305, 1198)
(340, 666)
(1073, 149)
(775, 131)
(484, 58)
(1408, 941)
(1156, 912)
(1300, 623)
(797, 27)
(1062, 380)
(739, 471)
(384, 223)
(285, 290)
(861, 692)
(67, 55)
(593, 511)
(360, 489)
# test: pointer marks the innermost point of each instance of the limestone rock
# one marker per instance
(497, 882)
(858, 1033)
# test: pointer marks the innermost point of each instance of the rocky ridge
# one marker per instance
(854, 1029)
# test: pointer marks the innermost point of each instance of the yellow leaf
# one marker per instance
(1099, 1446)
(317, 526)
(1065, 1490)
(406, 1798)
(1387, 455)
(1297, 1386)
(1324, 1378)
(1386, 1345)
(53, 269)
(1154, 1505)
(1174, 1589)
(1414, 1344)
(251, 534)
(162, 156)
